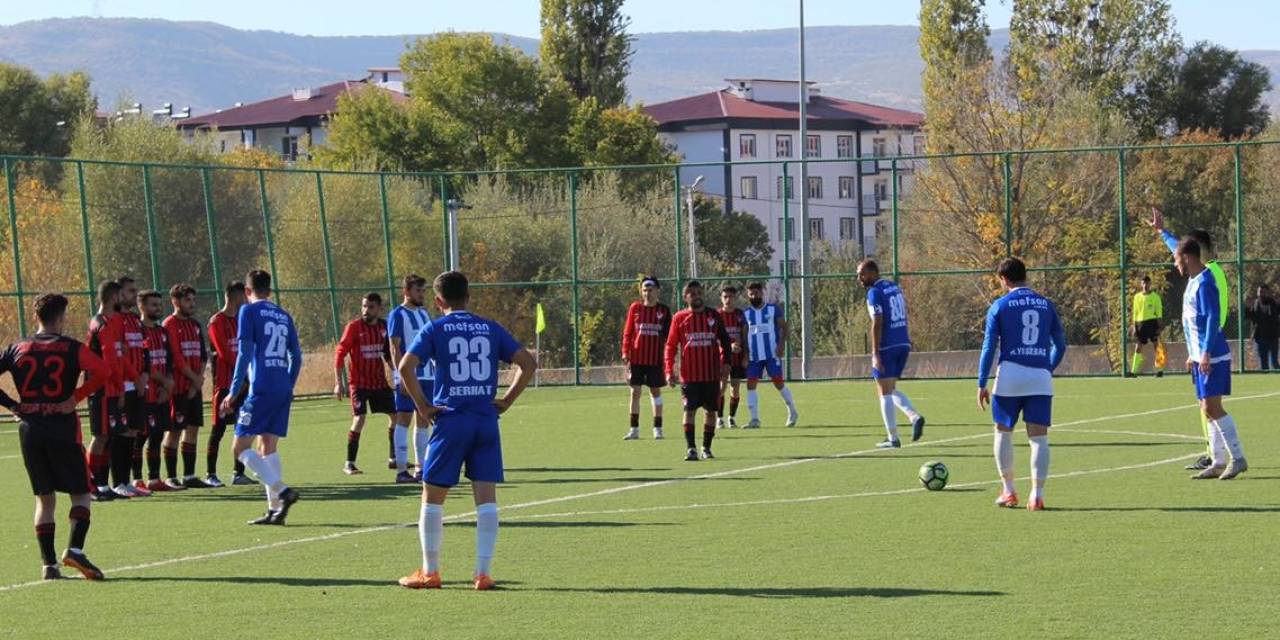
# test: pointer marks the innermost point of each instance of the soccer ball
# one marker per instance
(934, 475)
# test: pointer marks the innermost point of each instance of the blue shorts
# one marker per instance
(893, 360)
(404, 404)
(1033, 409)
(464, 438)
(772, 366)
(1217, 383)
(260, 415)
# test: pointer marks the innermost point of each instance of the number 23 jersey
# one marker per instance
(466, 350)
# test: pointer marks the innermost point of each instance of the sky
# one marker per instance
(1240, 24)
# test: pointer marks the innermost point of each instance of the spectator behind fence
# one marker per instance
(1264, 312)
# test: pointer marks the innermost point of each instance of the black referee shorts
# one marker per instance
(1148, 331)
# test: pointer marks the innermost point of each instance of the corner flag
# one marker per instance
(541, 324)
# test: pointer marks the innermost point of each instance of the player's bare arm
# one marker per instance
(525, 365)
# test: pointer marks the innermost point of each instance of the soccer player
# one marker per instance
(106, 420)
(159, 388)
(268, 361)
(1024, 327)
(133, 407)
(1209, 358)
(466, 349)
(698, 334)
(365, 340)
(766, 343)
(222, 339)
(45, 368)
(648, 322)
(734, 321)
(890, 348)
(189, 353)
(1224, 300)
(403, 324)
(1148, 309)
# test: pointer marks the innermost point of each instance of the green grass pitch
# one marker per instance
(789, 533)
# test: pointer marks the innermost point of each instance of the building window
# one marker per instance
(848, 228)
(789, 234)
(848, 188)
(748, 188)
(882, 190)
(782, 147)
(844, 146)
(813, 147)
(815, 229)
(918, 144)
(879, 148)
(289, 148)
(790, 189)
(815, 188)
(790, 267)
(747, 145)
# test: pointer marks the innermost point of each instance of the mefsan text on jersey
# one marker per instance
(470, 327)
(1042, 303)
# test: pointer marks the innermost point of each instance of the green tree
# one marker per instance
(37, 117)
(585, 42)
(375, 131)
(1214, 89)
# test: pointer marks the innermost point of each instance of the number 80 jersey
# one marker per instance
(466, 350)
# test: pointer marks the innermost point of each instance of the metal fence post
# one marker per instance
(206, 184)
(444, 223)
(11, 184)
(328, 255)
(84, 229)
(577, 310)
(1008, 205)
(785, 234)
(266, 230)
(1124, 261)
(893, 203)
(1238, 179)
(386, 237)
(679, 240)
(149, 204)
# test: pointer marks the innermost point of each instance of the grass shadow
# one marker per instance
(778, 592)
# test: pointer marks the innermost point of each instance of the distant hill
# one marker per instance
(209, 66)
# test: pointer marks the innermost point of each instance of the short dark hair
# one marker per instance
(869, 265)
(124, 280)
(414, 280)
(1189, 246)
(235, 286)
(728, 288)
(691, 285)
(374, 297)
(1202, 237)
(50, 306)
(648, 279)
(1012, 269)
(259, 281)
(452, 287)
(107, 289)
(1146, 279)
(147, 295)
(755, 285)
(181, 290)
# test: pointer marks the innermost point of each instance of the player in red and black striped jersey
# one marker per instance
(45, 368)
(222, 339)
(699, 335)
(364, 340)
(132, 406)
(159, 387)
(186, 404)
(643, 335)
(735, 324)
(106, 418)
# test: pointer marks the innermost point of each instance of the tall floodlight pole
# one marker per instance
(806, 290)
(453, 206)
(693, 228)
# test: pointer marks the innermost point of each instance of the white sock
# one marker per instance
(1039, 465)
(753, 403)
(904, 404)
(401, 438)
(421, 438)
(273, 495)
(1004, 458)
(265, 471)
(486, 536)
(1227, 427)
(1217, 444)
(431, 534)
(890, 418)
(786, 397)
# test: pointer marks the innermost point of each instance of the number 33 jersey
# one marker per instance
(466, 350)
(1024, 325)
(269, 354)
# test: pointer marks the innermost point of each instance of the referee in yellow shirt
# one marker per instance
(1148, 309)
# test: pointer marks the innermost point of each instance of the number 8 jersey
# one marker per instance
(269, 354)
(1024, 325)
(466, 350)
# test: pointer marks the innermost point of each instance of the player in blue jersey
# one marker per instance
(1209, 358)
(766, 343)
(268, 362)
(890, 347)
(466, 350)
(403, 325)
(1024, 328)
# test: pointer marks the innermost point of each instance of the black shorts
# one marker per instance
(646, 375)
(187, 412)
(215, 411)
(158, 417)
(372, 400)
(134, 410)
(1148, 331)
(738, 372)
(53, 464)
(701, 395)
(105, 417)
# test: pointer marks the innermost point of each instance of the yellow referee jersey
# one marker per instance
(1147, 306)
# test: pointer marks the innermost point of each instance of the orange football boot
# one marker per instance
(1007, 500)
(420, 579)
(484, 582)
(1036, 505)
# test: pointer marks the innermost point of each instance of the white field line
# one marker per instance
(524, 505)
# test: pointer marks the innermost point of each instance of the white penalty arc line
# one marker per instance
(631, 487)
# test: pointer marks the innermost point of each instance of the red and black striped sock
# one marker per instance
(98, 465)
(79, 526)
(44, 536)
(635, 421)
(153, 455)
(708, 432)
(188, 459)
(171, 461)
(688, 435)
(353, 446)
(211, 451)
(733, 407)
(139, 445)
(121, 458)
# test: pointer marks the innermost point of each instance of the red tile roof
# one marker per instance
(282, 110)
(719, 105)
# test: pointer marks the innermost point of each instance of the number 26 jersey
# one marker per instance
(269, 354)
(466, 350)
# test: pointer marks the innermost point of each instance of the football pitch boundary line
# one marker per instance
(465, 517)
